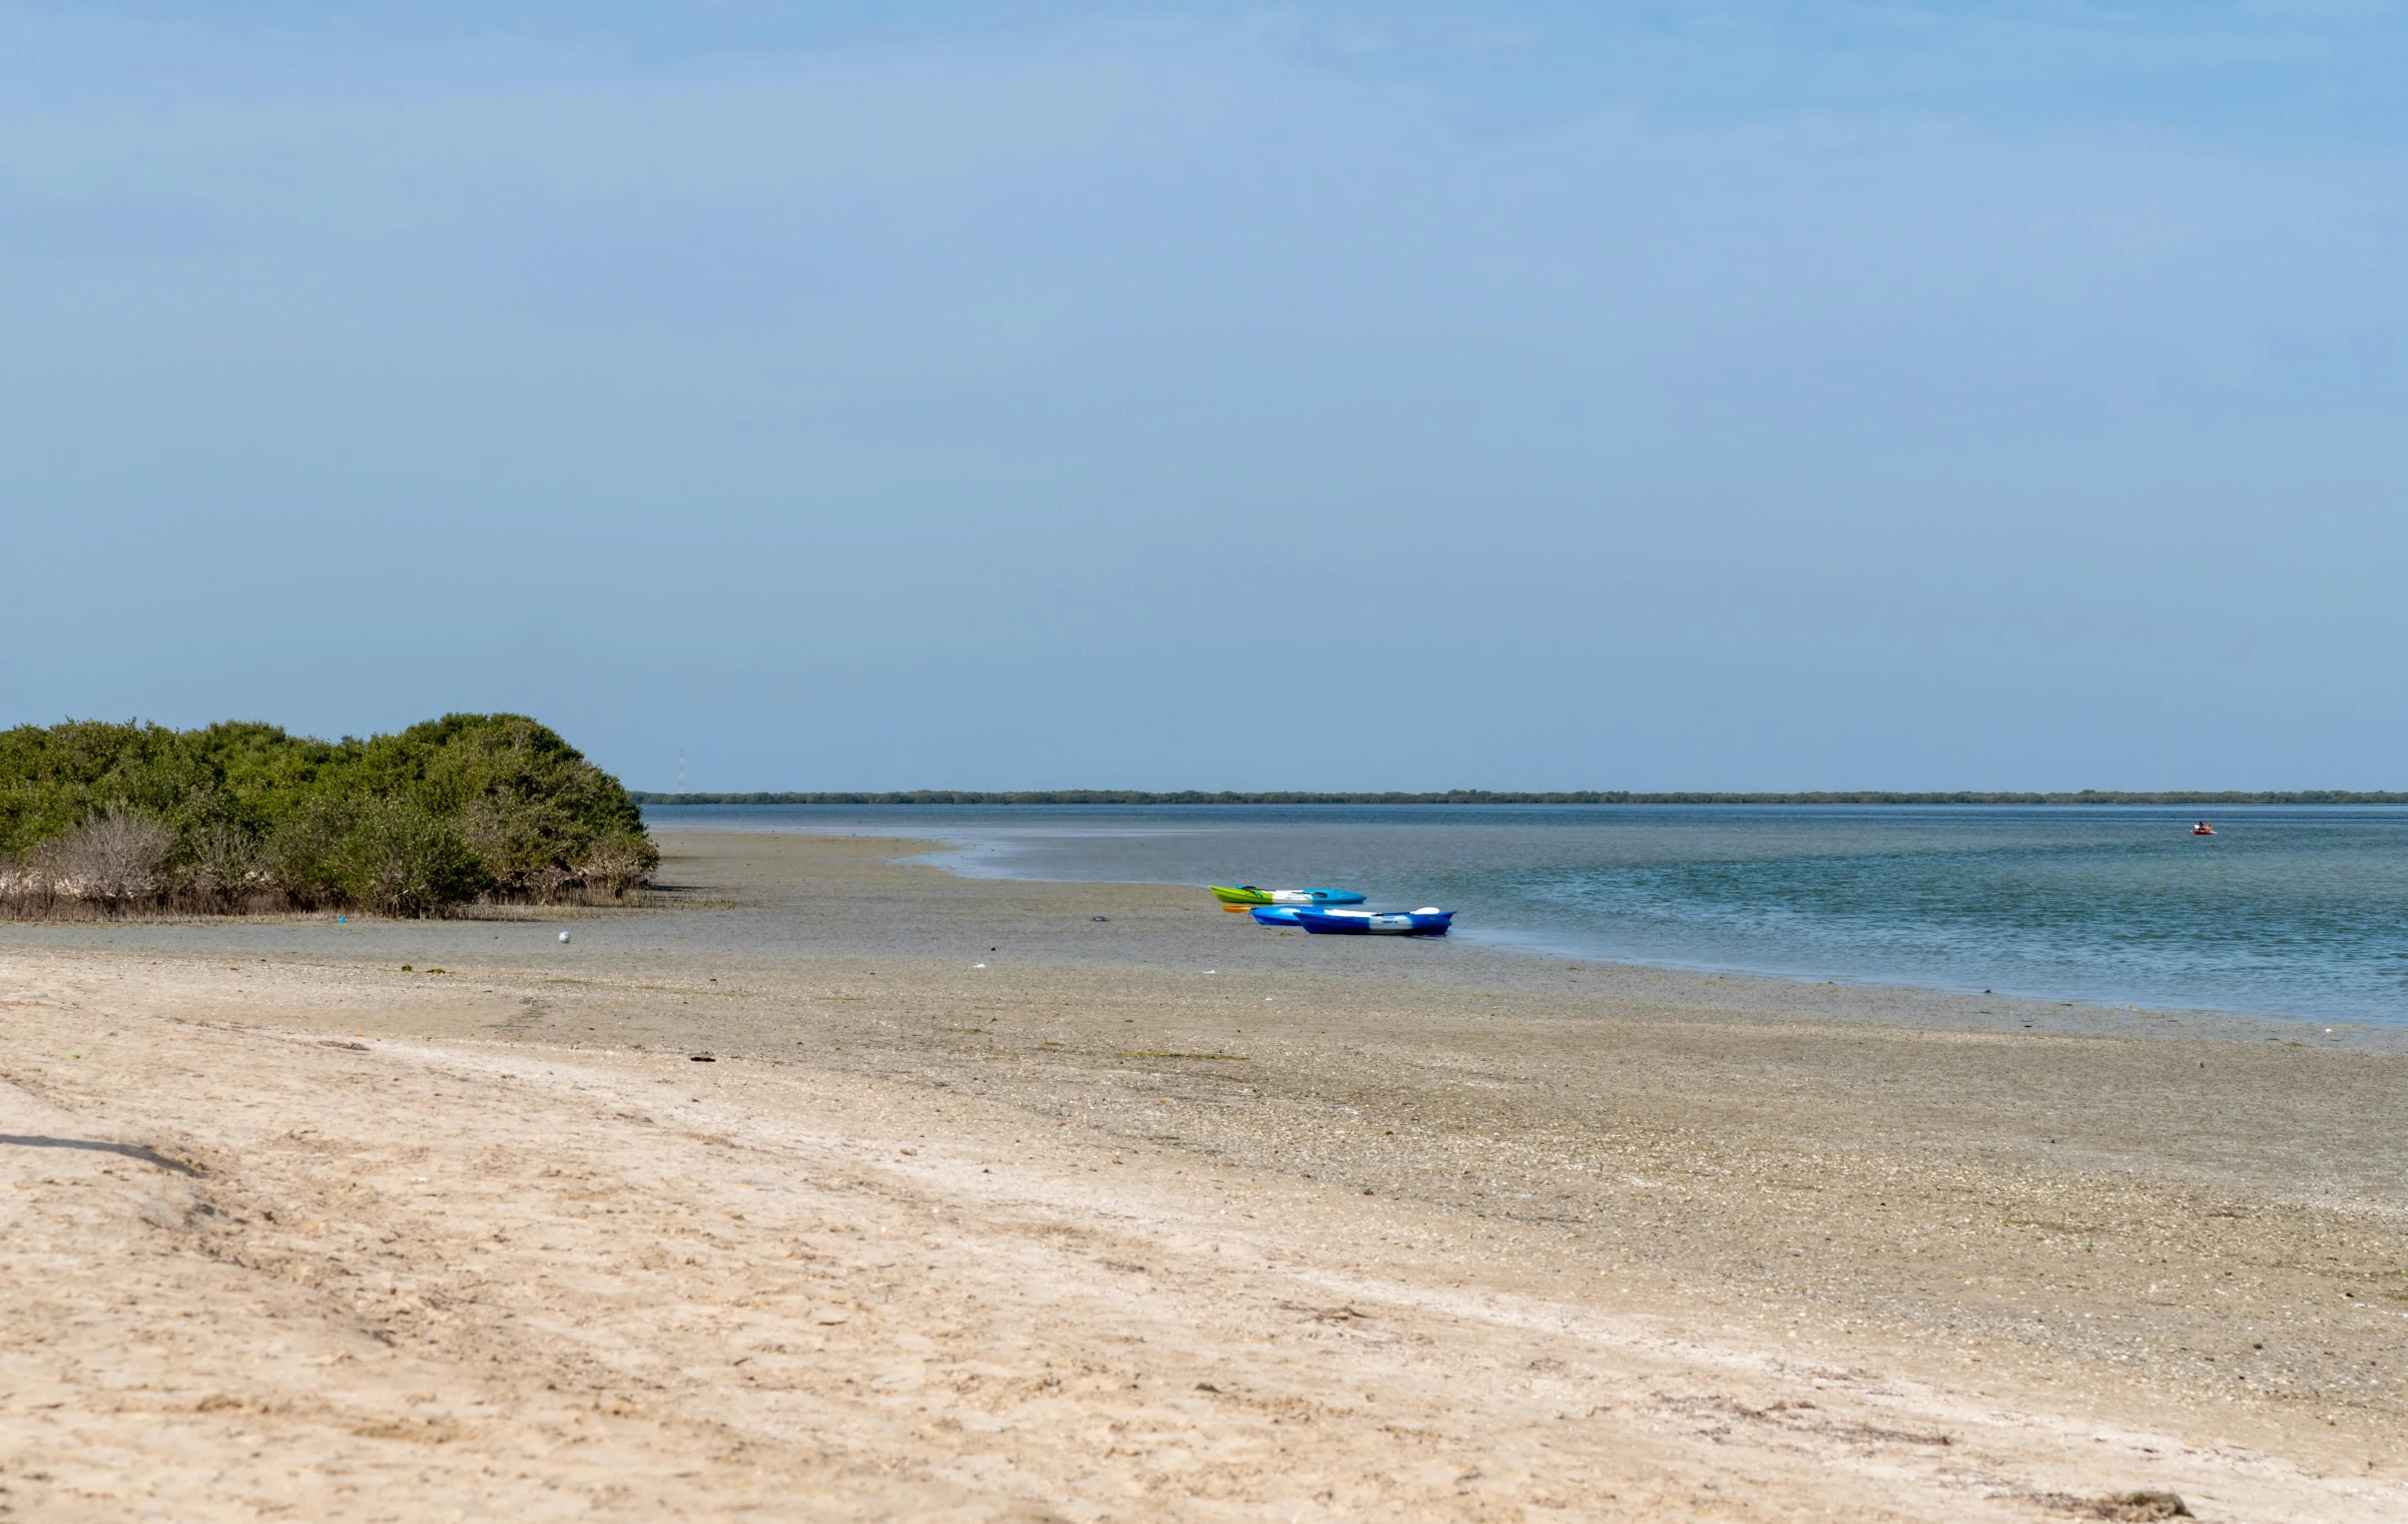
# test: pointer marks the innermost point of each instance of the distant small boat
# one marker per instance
(1429, 920)
(2202, 829)
(1242, 896)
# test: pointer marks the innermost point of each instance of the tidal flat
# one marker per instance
(833, 1186)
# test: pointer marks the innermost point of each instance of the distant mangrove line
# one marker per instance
(1493, 796)
(99, 818)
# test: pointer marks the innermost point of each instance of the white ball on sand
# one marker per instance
(564, 936)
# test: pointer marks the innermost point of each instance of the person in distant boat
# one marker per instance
(2202, 829)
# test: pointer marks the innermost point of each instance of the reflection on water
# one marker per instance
(2298, 911)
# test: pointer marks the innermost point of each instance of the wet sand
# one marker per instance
(1154, 1215)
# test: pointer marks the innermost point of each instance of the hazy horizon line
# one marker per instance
(1108, 796)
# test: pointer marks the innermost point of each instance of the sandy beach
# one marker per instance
(837, 1188)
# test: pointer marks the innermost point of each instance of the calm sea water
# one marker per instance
(2286, 911)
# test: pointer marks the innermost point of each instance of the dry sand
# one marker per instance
(1157, 1216)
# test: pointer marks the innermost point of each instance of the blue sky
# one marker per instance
(1185, 395)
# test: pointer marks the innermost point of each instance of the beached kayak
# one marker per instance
(1427, 921)
(1247, 894)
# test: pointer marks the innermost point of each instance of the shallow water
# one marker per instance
(2287, 910)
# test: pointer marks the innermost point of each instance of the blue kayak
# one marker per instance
(1427, 921)
(1276, 915)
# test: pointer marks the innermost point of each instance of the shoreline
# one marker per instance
(2231, 1024)
(1606, 1242)
(1904, 1002)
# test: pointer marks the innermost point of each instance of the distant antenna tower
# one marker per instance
(680, 769)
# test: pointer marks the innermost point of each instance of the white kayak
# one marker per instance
(1429, 920)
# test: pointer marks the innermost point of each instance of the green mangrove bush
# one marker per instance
(103, 818)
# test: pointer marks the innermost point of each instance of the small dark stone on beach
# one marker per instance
(2131, 1507)
(1202, 1385)
(2143, 1505)
(1103, 917)
(701, 1058)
